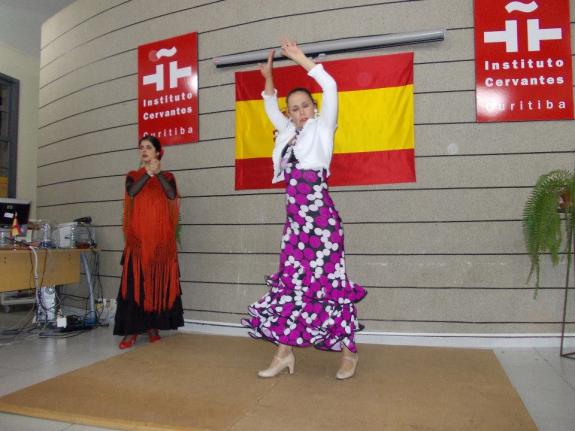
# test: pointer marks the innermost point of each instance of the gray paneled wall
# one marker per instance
(444, 254)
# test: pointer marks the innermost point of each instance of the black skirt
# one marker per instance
(131, 317)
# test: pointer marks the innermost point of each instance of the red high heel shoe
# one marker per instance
(153, 335)
(128, 341)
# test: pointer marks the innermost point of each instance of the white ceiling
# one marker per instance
(21, 22)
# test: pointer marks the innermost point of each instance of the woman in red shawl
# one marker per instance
(150, 295)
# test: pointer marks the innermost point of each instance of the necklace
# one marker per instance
(288, 155)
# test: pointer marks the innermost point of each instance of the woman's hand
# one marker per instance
(153, 168)
(267, 72)
(293, 52)
(267, 69)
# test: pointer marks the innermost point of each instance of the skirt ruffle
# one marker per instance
(132, 319)
(301, 321)
(311, 302)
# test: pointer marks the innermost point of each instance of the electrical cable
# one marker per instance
(13, 333)
(9, 336)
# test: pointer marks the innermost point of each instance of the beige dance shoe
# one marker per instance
(348, 367)
(278, 365)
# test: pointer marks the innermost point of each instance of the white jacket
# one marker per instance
(314, 146)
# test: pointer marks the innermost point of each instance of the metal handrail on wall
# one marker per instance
(334, 46)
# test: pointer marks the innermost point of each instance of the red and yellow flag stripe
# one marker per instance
(374, 142)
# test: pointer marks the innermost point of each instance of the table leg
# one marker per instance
(91, 317)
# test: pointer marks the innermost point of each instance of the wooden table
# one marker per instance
(55, 266)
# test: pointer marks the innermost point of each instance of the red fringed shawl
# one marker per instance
(150, 222)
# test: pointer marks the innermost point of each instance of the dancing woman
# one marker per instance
(311, 302)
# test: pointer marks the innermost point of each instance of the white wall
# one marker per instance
(26, 69)
(444, 254)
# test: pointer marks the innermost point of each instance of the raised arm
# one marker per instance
(329, 96)
(269, 94)
(293, 52)
(316, 71)
(267, 71)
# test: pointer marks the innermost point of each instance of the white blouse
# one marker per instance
(314, 146)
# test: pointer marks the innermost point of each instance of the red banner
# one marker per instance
(168, 89)
(523, 60)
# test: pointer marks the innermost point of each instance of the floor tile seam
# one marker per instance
(15, 339)
(19, 339)
(231, 426)
(3, 367)
(33, 368)
(265, 393)
(569, 384)
(41, 374)
(526, 397)
(20, 322)
(256, 404)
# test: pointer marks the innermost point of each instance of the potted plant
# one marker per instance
(549, 218)
(548, 225)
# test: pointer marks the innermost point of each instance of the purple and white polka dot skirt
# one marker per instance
(310, 302)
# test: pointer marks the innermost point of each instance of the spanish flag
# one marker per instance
(374, 141)
(15, 229)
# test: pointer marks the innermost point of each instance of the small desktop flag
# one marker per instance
(374, 141)
(15, 230)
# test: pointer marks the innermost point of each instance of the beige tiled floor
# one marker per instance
(544, 380)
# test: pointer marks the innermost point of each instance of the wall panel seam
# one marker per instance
(352, 223)
(368, 319)
(227, 110)
(332, 191)
(465, 322)
(416, 124)
(124, 174)
(230, 26)
(416, 63)
(83, 22)
(85, 156)
(86, 111)
(225, 84)
(87, 133)
(127, 26)
(210, 58)
(259, 253)
(104, 152)
(428, 156)
(86, 87)
(84, 66)
(125, 125)
(465, 288)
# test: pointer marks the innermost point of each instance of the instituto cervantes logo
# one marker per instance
(168, 90)
(523, 60)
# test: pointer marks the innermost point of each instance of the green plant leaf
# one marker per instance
(544, 226)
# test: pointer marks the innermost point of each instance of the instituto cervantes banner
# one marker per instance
(168, 89)
(523, 60)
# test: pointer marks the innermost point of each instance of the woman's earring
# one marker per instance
(315, 113)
